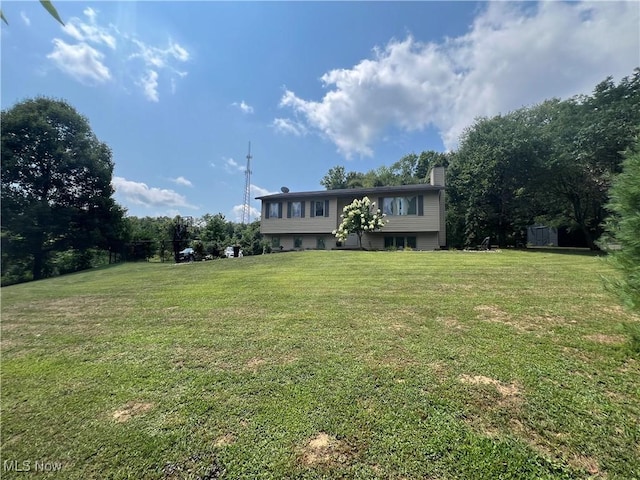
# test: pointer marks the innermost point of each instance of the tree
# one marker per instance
(493, 179)
(335, 179)
(587, 136)
(623, 230)
(56, 184)
(552, 162)
(358, 217)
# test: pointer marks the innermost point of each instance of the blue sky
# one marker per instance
(178, 89)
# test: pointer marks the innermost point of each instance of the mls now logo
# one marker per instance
(31, 466)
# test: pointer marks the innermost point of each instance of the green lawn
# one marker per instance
(337, 364)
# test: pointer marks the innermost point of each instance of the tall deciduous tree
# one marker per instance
(56, 184)
(588, 135)
(492, 181)
(552, 162)
(335, 179)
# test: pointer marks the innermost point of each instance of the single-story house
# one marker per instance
(305, 220)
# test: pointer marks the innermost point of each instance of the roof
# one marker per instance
(355, 192)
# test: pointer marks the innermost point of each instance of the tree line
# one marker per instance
(552, 163)
(163, 238)
(58, 213)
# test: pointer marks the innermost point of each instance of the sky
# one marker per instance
(178, 90)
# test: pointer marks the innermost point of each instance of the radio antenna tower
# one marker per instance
(246, 211)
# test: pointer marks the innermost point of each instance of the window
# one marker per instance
(295, 209)
(388, 242)
(297, 242)
(275, 242)
(319, 208)
(400, 205)
(400, 242)
(320, 243)
(274, 210)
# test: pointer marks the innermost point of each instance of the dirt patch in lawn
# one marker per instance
(589, 464)
(491, 313)
(130, 410)
(452, 323)
(325, 450)
(551, 447)
(205, 467)
(607, 339)
(254, 363)
(225, 440)
(525, 323)
(506, 390)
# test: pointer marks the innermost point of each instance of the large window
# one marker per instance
(274, 210)
(400, 205)
(297, 242)
(295, 210)
(319, 208)
(320, 243)
(400, 242)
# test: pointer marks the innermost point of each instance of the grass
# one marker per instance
(385, 365)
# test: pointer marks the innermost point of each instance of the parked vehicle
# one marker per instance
(228, 252)
(186, 255)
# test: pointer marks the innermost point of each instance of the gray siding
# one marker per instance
(430, 221)
(305, 225)
(427, 225)
(424, 240)
(309, 242)
(442, 234)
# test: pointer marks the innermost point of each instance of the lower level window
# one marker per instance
(400, 242)
(275, 242)
(297, 242)
(320, 243)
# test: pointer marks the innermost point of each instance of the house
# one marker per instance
(305, 220)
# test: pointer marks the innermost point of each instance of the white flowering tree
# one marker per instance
(358, 217)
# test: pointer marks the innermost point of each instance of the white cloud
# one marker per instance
(182, 181)
(243, 106)
(257, 191)
(139, 193)
(160, 57)
(178, 52)
(89, 32)
(149, 84)
(81, 61)
(25, 19)
(231, 166)
(288, 126)
(97, 45)
(513, 55)
(236, 213)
